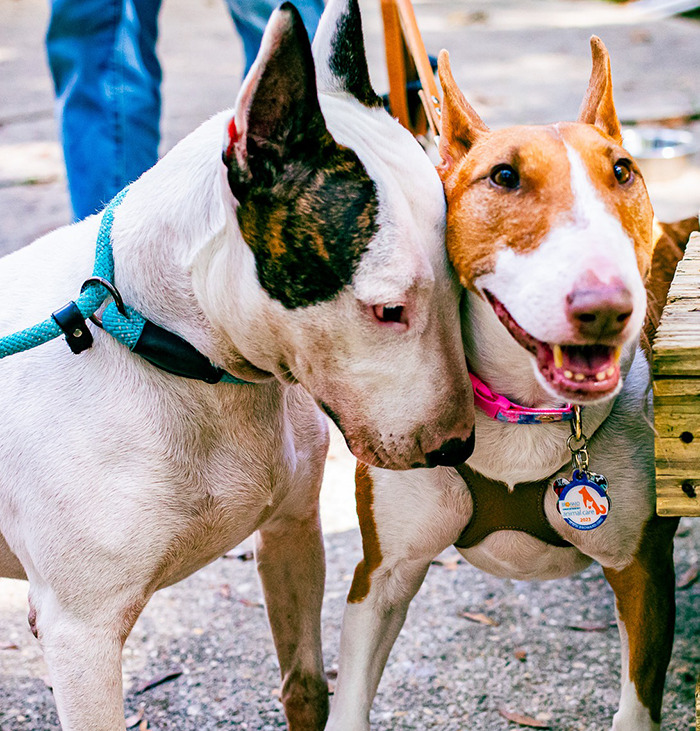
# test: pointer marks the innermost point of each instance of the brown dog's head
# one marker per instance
(552, 226)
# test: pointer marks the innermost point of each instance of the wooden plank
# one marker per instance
(672, 423)
(676, 350)
(669, 506)
(666, 390)
(678, 453)
(677, 491)
(681, 362)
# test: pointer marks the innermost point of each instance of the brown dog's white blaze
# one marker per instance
(513, 190)
(372, 552)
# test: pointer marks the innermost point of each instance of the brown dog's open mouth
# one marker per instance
(576, 372)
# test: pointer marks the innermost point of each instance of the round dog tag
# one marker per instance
(583, 501)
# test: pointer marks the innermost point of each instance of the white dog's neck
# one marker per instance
(178, 250)
(514, 453)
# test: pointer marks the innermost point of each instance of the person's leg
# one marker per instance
(250, 18)
(107, 81)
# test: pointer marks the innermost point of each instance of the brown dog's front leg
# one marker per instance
(645, 602)
(291, 565)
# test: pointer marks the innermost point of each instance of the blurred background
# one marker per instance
(549, 651)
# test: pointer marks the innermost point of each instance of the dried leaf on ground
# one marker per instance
(245, 556)
(10, 646)
(159, 680)
(522, 720)
(689, 577)
(449, 563)
(520, 655)
(136, 719)
(250, 603)
(591, 626)
(480, 618)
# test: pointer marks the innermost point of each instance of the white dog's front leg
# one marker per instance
(370, 628)
(83, 654)
(290, 557)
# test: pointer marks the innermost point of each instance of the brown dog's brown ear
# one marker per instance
(598, 107)
(461, 125)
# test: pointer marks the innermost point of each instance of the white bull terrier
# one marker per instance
(307, 260)
(550, 231)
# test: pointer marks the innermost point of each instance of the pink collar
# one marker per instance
(500, 408)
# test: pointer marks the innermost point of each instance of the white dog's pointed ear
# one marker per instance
(339, 51)
(277, 117)
(460, 125)
(598, 107)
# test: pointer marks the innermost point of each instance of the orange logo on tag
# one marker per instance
(590, 503)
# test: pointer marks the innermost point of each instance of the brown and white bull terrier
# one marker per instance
(550, 231)
(308, 260)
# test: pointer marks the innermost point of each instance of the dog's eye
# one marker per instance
(391, 315)
(505, 176)
(623, 171)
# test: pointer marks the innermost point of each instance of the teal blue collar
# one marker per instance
(159, 346)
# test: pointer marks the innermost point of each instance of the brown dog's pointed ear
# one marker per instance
(598, 107)
(460, 124)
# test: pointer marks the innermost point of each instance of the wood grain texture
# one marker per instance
(676, 369)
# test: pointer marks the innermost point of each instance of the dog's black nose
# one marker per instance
(452, 453)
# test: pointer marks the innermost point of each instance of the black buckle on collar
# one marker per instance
(74, 327)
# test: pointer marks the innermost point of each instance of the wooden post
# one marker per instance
(407, 61)
(676, 370)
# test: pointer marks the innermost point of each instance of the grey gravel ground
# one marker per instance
(444, 673)
(518, 61)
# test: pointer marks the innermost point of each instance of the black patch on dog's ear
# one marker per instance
(348, 60)
(308, 231)
(306, 205)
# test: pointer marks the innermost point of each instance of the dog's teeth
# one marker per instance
(568, 374)
(558, 356)
(617, 353)
(579, 377)
(600, 376)
(610, 371)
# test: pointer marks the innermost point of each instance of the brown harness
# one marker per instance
(495, 508)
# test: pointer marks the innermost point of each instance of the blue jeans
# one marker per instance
(107, 81)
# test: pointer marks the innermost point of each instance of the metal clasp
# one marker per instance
(577, 443)
(114, 293)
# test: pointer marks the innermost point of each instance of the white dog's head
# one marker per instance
(344, 216)
(552, 226)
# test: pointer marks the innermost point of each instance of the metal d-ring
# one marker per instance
(114, 293)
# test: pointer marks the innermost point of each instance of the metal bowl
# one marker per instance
(661, 153)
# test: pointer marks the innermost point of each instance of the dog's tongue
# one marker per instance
(587, 359)
(582, 369)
